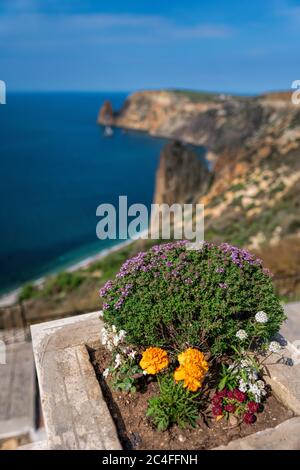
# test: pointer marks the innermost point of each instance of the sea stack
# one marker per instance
(106, 114)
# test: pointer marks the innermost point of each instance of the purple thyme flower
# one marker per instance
(267, 272)
(220, 270)
(223, 285)
(119, 304)
(132, 265)
(107, 286)
(240, 256)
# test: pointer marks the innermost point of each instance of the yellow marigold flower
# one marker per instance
(154, 360)
(192, 369)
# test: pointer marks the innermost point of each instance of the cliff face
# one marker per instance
(181, 176)
(252, 196)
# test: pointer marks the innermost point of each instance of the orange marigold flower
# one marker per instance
(154, 360)
(193, 358)
(192, 369)
(189, 381)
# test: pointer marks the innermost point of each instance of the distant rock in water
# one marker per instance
(106, 114)
(181, 176)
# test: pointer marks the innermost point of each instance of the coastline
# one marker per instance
(10, 298)
(69, 202)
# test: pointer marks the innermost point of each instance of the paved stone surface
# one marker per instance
(285, 436)
(17, 390)
(75, 413)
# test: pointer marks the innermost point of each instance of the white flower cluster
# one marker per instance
(249, 381)
(243, 364)
(261, 317)
(274, 347)
(118, 361)
(258, 390)
(255, 387)
(241, 334)
(131, 353)
(111, 338)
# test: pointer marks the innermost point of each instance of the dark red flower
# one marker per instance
(253, 407)
(217, 410)
(222, 393)
(239, 396)
(230, 394)
(217, 400)
(230, 408)
(249, 418)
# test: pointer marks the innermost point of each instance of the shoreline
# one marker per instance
(11, 297)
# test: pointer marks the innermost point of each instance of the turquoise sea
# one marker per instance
(56, 168)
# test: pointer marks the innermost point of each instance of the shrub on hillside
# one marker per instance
(63, 282)
(28, 291)
(174, 297)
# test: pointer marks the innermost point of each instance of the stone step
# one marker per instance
(17, 391)
(38, 445)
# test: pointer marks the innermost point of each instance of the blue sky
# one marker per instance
(231, 45)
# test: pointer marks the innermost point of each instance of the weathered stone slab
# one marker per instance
(285, 375)
(66, 332)
(285, 380)
(285, 436)
(75, 413)
(291, 327)
(39, 445)
(17, 391)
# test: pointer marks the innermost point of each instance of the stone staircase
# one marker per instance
(18, 385)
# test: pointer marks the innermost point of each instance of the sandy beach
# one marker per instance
(10, 298)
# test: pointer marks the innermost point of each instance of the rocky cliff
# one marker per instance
(216, 121)
(252, 195)
(181, 176)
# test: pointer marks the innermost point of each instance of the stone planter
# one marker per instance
(75, 413)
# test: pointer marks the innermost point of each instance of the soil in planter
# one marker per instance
(136, 431)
